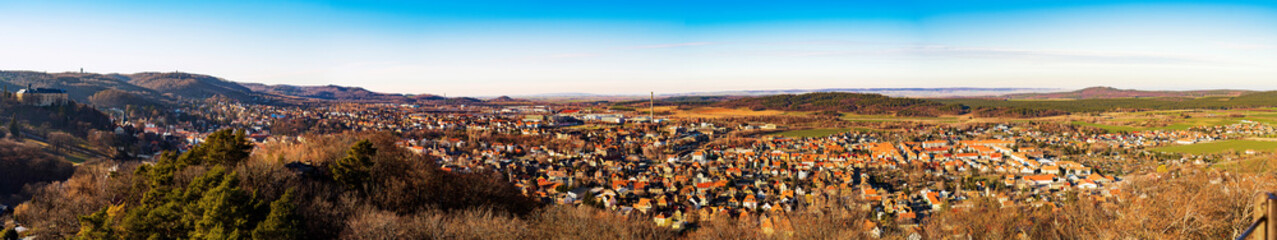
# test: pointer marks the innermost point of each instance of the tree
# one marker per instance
(9, 234)
(61, 140)
(95, 226)
(224, 211)
(353, 169)
(282, 222)
(225, 147)
(13, 127)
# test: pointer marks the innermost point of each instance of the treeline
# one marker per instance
(24, 165)
(859, 103)
(74, 118)
(1251, 100)
(680, 100)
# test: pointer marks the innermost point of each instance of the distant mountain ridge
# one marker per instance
(79, 86)
(325, 92)
(191, 86)
(161, 88)
(892, 92)
(861, 103)
(1110, 92)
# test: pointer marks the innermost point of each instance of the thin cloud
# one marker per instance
(1050, 55)
(572, 55)
(1246, 46)
(672, 45)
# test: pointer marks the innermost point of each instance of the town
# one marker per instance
(681, 171)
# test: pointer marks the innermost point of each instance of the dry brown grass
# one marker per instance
(558, 222)
(1193, 204)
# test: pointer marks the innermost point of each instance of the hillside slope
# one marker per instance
(1248, 100)
(79, 86)
(327, 92)
(860, 103)
(192, 86)
(1110, 92)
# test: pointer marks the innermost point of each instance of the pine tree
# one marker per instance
(282, 222)
(225, 147)
(9, 234)
(230, 149)
(13, 127)
(94, 226)
(353, 169)
(224, 211)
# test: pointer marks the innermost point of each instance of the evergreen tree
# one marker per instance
(353, 169)
(13, 127)
(9, 234)
(225, 211)
(210, 206)
(94, 226)
(282, 222)
(225, 147)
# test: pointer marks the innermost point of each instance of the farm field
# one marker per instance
(715, 112)
(1257, 164)
(1118, 122)
(1221, 146)
(884, 118)
(1109, 128)
(819, 132)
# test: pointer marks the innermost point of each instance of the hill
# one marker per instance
(1248, 100)
(327, 92)
(192, 86)
(1110, 92)
(860, 103)
(79, 86)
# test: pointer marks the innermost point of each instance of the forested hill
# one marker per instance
(859, 103)
(327, 92)
(193, 86)
(148, 88)
(1249, 100)
(79, 86)
(1109, 92)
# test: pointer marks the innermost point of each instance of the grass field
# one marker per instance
(717, 112)
(886, 118)
(1221, 146)
(819, 132)
(71, 156)
(1109, 128)
(1198, 118)
(1252, 165)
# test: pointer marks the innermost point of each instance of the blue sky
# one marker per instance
(488, 48)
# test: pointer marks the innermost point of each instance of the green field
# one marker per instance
(887, 118)
(1200, 118)
(1220, 147)
(819, 132)
(1109, 128)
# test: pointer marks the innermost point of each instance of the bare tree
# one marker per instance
(61, 140)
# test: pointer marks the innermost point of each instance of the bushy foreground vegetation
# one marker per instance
(25, 164)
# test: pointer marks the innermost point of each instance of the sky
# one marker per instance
(491, 48)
